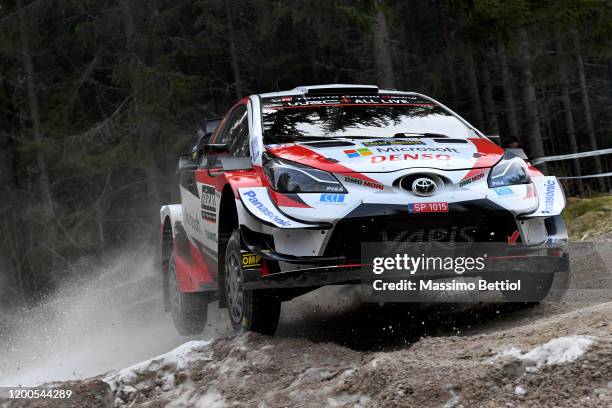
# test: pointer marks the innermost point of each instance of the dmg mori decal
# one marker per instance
(209, 203)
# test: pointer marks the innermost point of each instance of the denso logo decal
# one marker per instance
(352, 153)
(265, 210)
(407, 156)
(332, 198)
(549, 197)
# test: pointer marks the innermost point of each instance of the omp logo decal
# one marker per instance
(332, 198)
(549, 197)
(209, 202)
(503, 191)
(265, 210)
(250, 260)
(364, 183)
(364, 151)
(416, 156)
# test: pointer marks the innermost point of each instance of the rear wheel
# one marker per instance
(189, 310)
(534, 287)
(249, 310)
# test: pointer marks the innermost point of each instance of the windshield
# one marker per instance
(290, 118)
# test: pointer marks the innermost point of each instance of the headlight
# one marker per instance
(509, 172)
(289, 177)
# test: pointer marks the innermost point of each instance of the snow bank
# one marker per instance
(158, 371)
(557, 351)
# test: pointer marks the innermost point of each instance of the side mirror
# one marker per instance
(185, 163)
(518, 152)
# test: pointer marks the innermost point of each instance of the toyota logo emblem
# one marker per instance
(423, 186)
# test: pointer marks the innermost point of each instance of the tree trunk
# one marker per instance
(530, 102)
(506, 80)
(233, 50)
(610, 77)
(477, 115)
(489, 103)
(567, 112)
(382, 50)
(45, 184)
(144, 130)
(586, 107)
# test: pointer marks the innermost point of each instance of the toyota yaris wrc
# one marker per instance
(279, 195)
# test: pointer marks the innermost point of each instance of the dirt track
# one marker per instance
(331, 350)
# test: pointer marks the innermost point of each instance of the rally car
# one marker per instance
(278, 196)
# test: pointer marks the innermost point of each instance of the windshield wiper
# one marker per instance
(301, 138)
(420, 135)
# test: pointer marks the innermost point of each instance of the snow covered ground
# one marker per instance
(561, 360)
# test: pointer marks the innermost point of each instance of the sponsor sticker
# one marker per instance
(428, 207)
(352, 153)
(408, 156)
(394, 142)
(549, 197)
(211, 236)
(298, 100)
(472, 179)
(209, 203)
(400, 149)
(250, 260)
(192, 221)
(332, 198)
(263, 210)
(364, 183)
(254, 148)
(504, 191)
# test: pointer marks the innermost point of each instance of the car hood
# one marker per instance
(385, 155)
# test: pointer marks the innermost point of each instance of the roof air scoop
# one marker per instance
(338, 89)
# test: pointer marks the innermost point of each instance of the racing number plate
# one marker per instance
(428, 207)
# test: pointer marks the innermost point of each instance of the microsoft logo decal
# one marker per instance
(364, 151)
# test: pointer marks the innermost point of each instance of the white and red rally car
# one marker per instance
(277, 197)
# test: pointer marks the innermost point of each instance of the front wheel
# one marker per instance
(189, 310)
(249, 310)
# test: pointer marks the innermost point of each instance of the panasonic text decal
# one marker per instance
(549, 199)
(252, 195)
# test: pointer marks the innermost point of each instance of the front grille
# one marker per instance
(464, 227)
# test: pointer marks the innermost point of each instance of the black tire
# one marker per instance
(249, 310)
(534, 287)
(189, 310)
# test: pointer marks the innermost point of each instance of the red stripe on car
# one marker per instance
(303, 155)
(488, 154)
(283, 200)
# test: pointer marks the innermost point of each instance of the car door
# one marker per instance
(235, 134)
